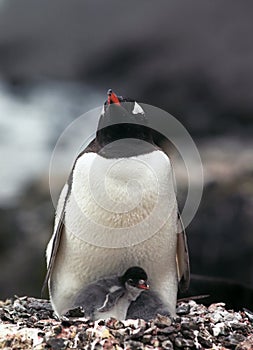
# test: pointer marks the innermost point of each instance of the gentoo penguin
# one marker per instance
(111, 296)
(118, 209)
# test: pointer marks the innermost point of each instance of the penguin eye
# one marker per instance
(130, 281)
(141, 281)
(137, 109)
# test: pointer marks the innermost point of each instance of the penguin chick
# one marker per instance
(111, 296)
(147, 306)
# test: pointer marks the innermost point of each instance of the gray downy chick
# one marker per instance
(147, 306)
(111, 296)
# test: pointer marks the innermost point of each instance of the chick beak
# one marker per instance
(143, 286)
(112, 98)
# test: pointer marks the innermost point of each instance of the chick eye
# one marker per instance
(141, 281)
(130, 281)
(137, 109)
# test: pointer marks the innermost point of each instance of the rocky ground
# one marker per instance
(192, 59)
(29, 323)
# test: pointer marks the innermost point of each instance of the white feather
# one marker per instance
(137, 109)
(114, 288)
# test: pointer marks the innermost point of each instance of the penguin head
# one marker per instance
(135, 277)
(122, 118)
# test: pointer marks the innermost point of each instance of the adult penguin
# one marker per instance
(118, 209)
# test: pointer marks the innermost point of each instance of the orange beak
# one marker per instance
(143, 286)
(112, 98)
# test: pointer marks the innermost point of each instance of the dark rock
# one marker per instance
(249, 314)
(205, 342)
(183, 309)
(162, 321)
(56, 344)
(235, 338)
(166, 330)
(167, 345)
(133, 344)
(188, 334)
(238, 325)
(182, 343)
(146, 338)
(246, 344)
(189, 326)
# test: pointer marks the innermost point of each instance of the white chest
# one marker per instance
(120, 213)
(119, 202)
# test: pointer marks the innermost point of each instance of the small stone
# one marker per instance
(142, 323)
(56, 343)
(183, 309)
(162, 321)
(146, 338)
(137, 333)
(162, 337)
(133, 344)
(131, 323)
(238, 325)
(216, 306)
(177, 319)
(249, 314)
(101, 322)
(167, 345)
(188, 334)
(189, 325)
(205, 342)
(218, 328)
(235, 338)
(166, 330)
(215, 317)
(33, 319)
(18, 307)
(247, 344)
(151, 330)
(182, 343)
(57, 329)
(155, 342)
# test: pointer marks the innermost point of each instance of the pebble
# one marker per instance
(249, 314)
(183, 309)
(247, 344)
(167, 345)
(162, 321)
(182, 343)
(195, 327)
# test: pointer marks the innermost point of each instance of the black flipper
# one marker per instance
(183, 265)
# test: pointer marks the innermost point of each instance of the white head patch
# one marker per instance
(137, 109)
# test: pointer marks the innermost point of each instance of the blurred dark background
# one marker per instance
(193, 59)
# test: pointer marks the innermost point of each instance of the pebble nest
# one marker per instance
(29, 323)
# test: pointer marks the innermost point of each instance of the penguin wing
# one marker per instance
(111, 300)
(182, 257)
(54, 243)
